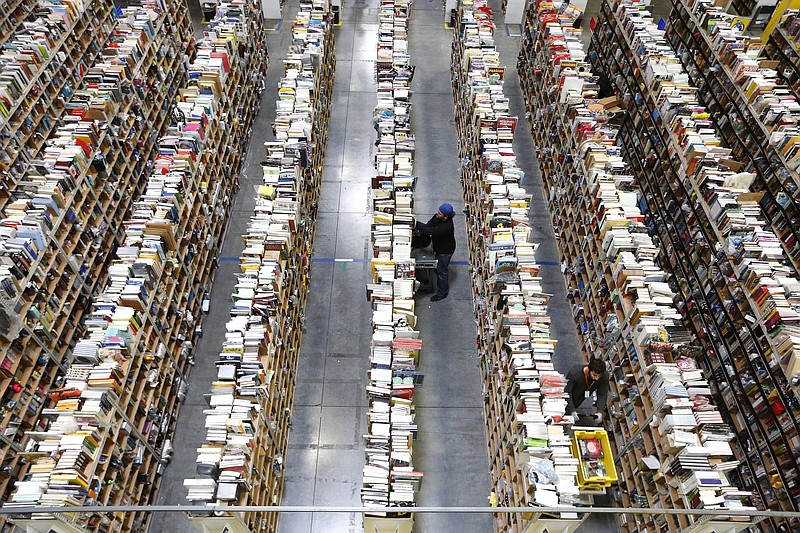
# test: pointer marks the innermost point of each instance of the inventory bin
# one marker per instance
(593, 450)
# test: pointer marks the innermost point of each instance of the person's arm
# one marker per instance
(602, 392)
(435, 231)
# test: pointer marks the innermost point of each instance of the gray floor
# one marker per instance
(325, 456)
(323, 464)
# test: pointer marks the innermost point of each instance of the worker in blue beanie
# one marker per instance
(442, 233)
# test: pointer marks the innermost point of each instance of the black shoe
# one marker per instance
(437, 297)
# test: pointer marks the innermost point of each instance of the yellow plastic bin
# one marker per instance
(593, 451)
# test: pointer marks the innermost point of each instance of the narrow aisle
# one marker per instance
(187, 437)
(451, 446)
(324, 463)
(326, 450)
(568, 350)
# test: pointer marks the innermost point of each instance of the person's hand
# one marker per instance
(598, 417)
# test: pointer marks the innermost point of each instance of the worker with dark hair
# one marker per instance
(442, 233)
(582, 381)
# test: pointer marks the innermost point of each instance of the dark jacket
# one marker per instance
(577, 387)
(441, 232)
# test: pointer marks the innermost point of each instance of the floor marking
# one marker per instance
(359, 260)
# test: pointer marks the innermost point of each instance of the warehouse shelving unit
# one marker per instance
(248, 423)
(707, 221)
(389, 476)
(30, 357)
(782, 47)
(605, 197)
(739, 93)
(61, 210)
(140, 253)
(524, 395)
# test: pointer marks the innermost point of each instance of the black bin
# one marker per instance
(209, 8)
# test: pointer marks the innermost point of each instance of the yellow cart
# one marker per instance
(596, 470)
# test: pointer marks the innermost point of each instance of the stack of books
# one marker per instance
(393, 185)
(389, 478)
(250, 400)
(527, 400)
(122, 383)
(41, 215)
(31, 51)
(538, 389)
(760, 91)
(68, 441)
(611, 262)
(234, 427)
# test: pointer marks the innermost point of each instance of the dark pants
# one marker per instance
(443, 274)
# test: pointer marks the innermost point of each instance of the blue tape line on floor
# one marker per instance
(334, 260)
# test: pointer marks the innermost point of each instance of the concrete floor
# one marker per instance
(323, 466)
(325, 456)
